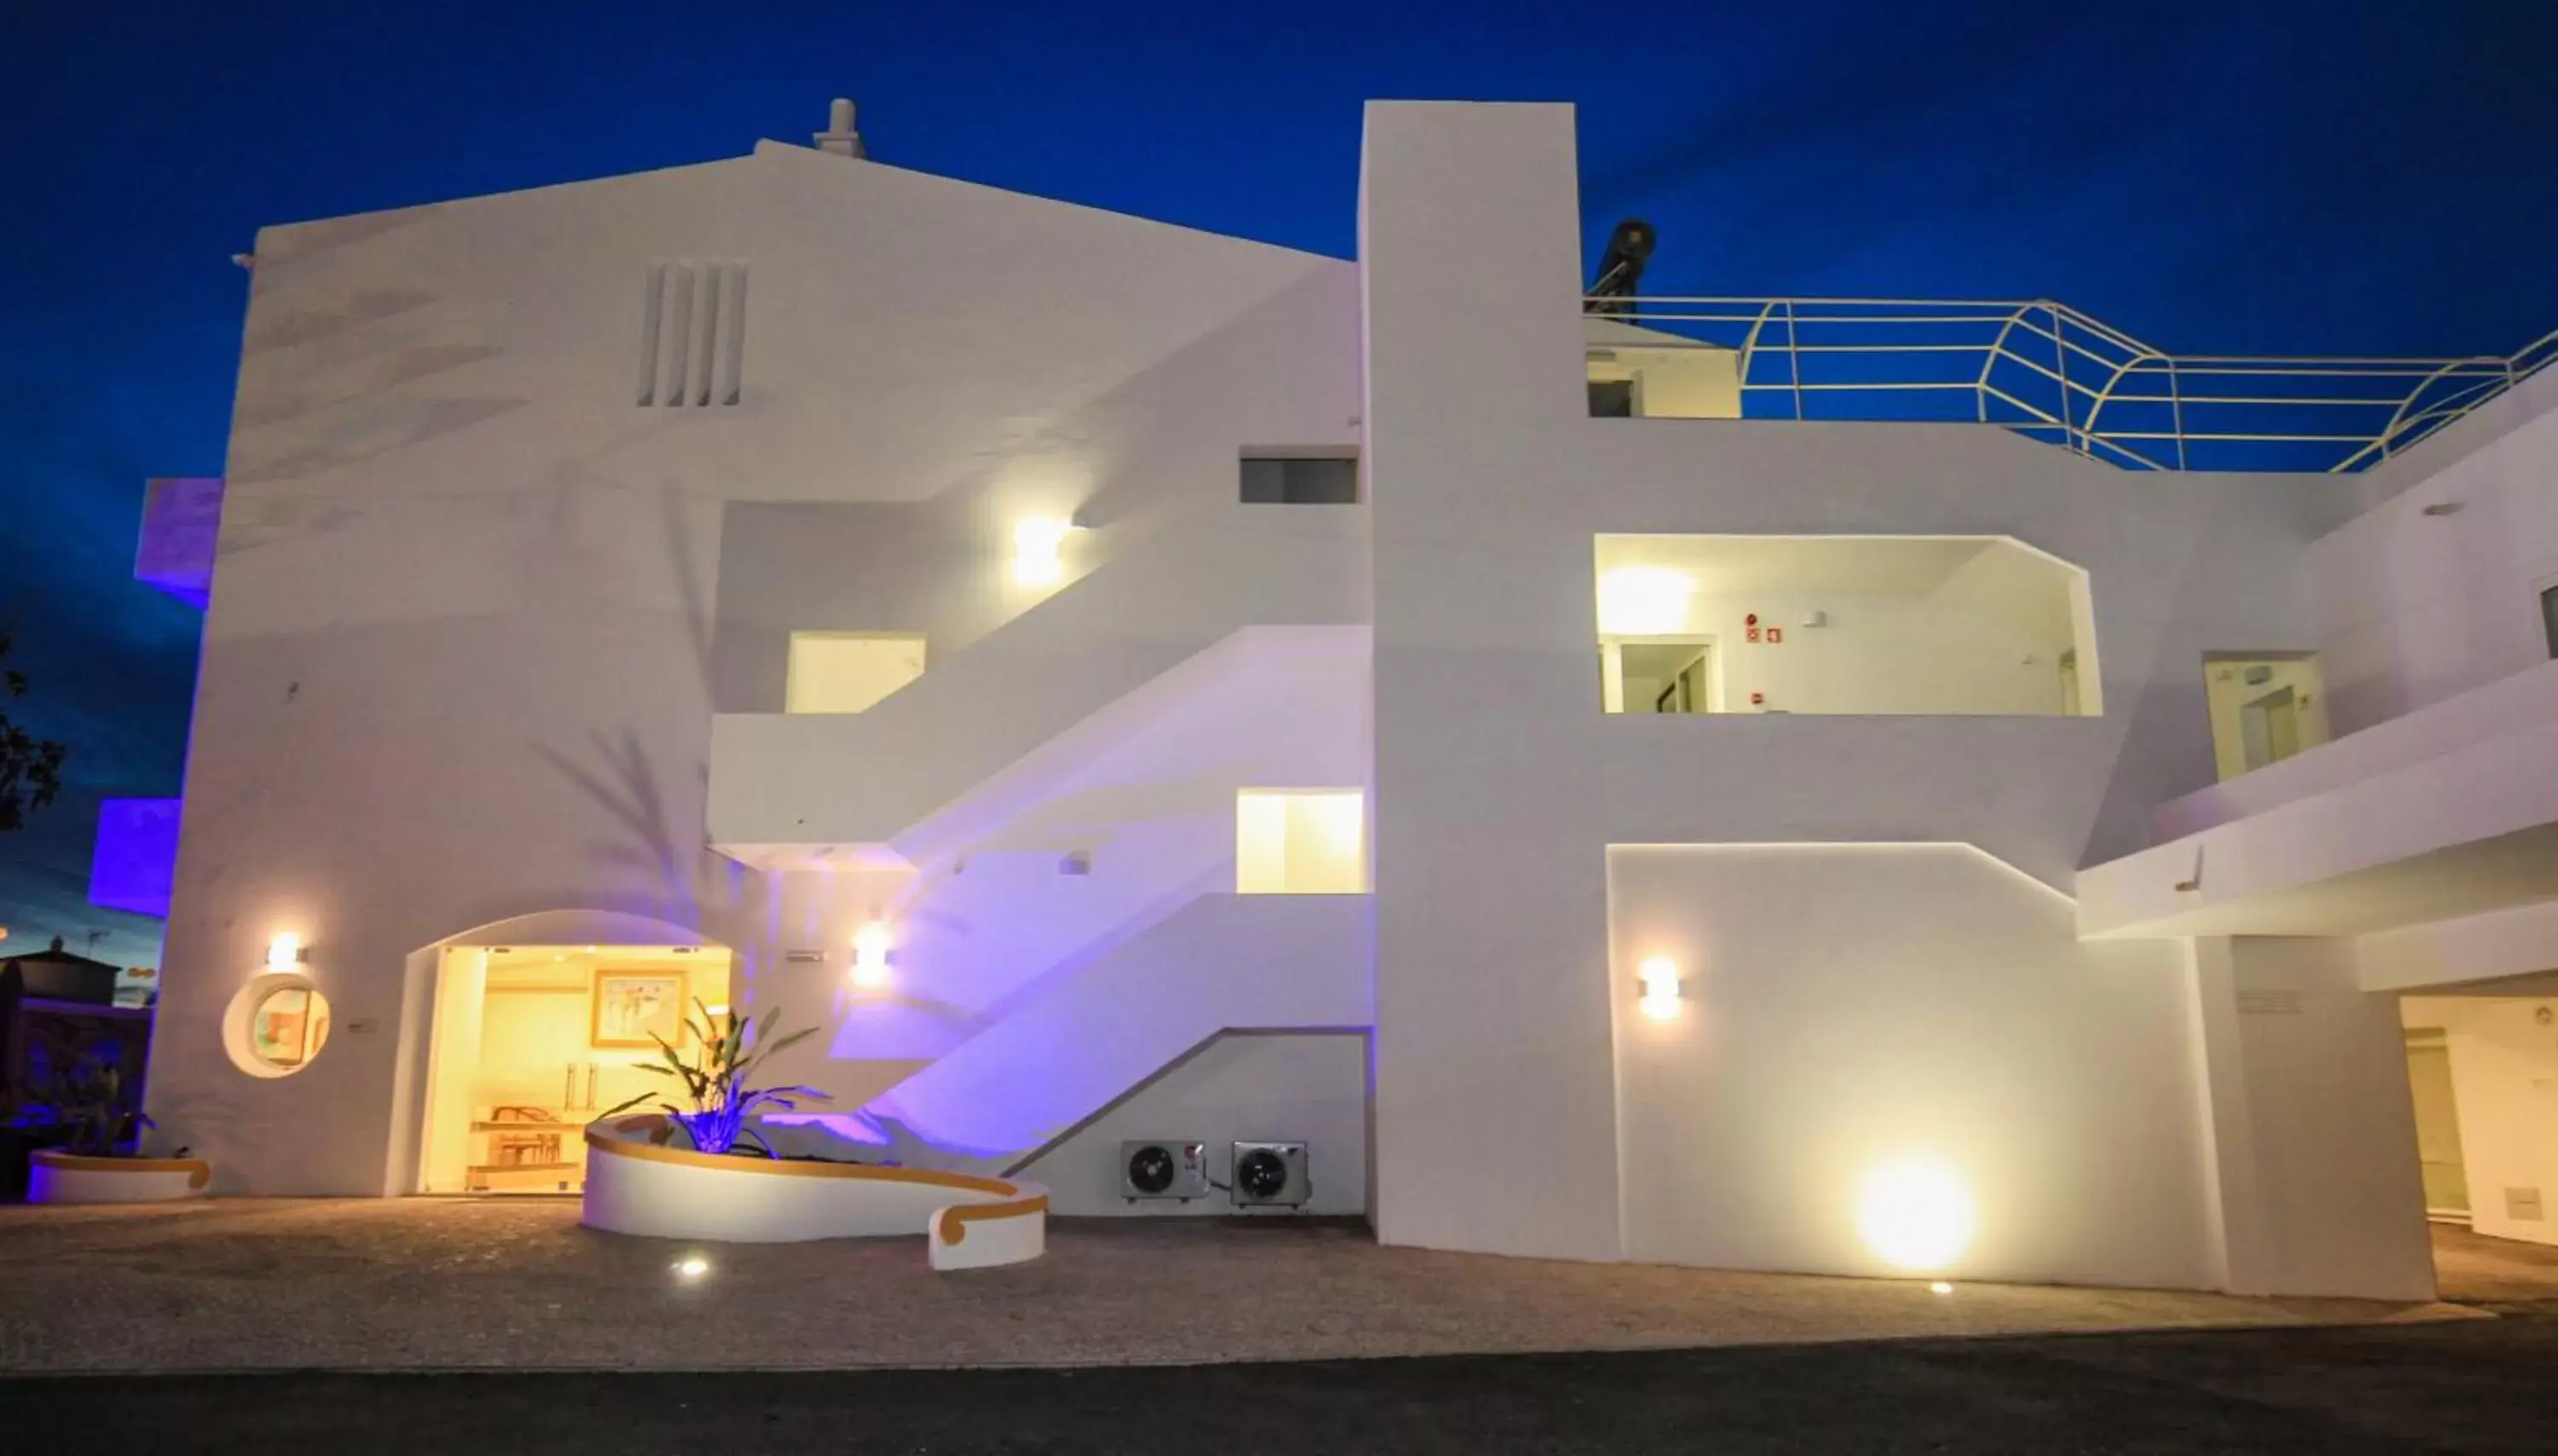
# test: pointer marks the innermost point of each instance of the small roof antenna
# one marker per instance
(840, 137)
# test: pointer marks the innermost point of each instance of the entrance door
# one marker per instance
(531, 1042)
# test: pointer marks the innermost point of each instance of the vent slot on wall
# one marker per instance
(692, 334)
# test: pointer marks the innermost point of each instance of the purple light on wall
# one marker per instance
(181, 519)
(137, 852)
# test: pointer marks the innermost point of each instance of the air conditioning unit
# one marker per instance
(1271, 1174)
(1159, 1169)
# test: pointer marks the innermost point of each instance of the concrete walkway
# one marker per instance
(479, 1284)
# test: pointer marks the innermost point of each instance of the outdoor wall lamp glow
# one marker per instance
(1661, 979)
(1037, 544)
(1916, 1213)
(286, 950)
(1644, 601)
(870, 955)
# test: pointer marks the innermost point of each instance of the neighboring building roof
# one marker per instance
(55, 955)
(55, 974)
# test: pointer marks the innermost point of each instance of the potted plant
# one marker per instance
(728, 1051)
(732, 1185)
(96, 1158)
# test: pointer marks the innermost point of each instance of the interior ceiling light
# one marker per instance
(1644, 601)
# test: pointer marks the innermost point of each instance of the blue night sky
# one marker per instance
(2344, 176)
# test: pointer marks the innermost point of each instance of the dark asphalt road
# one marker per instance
(2466, 1386)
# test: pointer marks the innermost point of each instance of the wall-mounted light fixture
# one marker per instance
(1661, 979)
(870, 955)
(1038, 550)
(1644, 601)
(286, 950)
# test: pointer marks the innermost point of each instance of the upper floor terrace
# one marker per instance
(2035, 368)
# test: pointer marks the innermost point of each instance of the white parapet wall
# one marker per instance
(637, 1182)
(61, 1177)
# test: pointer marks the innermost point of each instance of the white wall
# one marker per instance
(2312, 1128)
(464, 648)
(1148, 617)
(1309, 1088)
(1850, 1006)
(2519, 941)
(1499, 781)
(1106, 1022)
(2415, 607)
(2505, 1086)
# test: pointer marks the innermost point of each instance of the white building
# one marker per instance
(952, 617)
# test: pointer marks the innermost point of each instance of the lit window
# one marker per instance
(848, 672)
(1299, 841)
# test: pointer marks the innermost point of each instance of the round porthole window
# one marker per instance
(276, 1025)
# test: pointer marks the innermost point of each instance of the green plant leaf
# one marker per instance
(622, 1106)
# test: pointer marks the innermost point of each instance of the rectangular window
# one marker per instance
(848, 672)
(2549, 616)
(1300, 480)
(1299, 841)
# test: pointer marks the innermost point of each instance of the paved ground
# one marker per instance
(412, 1284)
(2483, 1386)
(249, 1286)
(2476, 1269)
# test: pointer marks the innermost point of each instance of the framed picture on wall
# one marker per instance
(630, 1006)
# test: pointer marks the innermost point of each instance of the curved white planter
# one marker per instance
(54, 1176)
(635, 1184)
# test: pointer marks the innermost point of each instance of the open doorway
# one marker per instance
(2438, 1125)
(2483, 1076)
(1659, 675)
(531, 1042)
(2264, 707)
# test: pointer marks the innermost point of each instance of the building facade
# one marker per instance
(1116, 681)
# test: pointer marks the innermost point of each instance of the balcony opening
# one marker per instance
(1299, 841)
(2264, 707)
(1843, 625)
(849, 672)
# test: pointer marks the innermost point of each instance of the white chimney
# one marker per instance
(839, 137)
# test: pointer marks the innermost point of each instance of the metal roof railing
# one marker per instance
(2045, 370)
